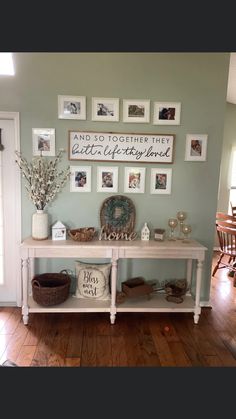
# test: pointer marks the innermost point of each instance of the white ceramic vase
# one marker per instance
(40, 225)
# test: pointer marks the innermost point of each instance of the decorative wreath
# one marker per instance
(117, 212)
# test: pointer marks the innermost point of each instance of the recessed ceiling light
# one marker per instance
(6, 64)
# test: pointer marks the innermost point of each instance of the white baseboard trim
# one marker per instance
(8, 304)
(205, 304)
(216, 249)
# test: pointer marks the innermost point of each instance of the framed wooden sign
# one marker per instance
(128, 147)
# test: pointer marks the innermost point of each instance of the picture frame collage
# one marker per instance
(107, 179)
(107, 109)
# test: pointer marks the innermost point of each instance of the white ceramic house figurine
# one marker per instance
(145, 232)
(58, 231)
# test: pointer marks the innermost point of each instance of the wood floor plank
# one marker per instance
(229, 342)
(74, 347)
(4, 315)
(104, 326)
(89, 350)
(146, 342)
(221, 350)
(35, 329)
(15, 343)
(213, 361)
(103, 351)
(204, 346)
(44, 348)
(139, 345)
(190, 343)
(72, 362)
(12, 322)
(60, 341)
(4, 341)
(179, 354)
(119, 356)
(162, 347)
(25, 355)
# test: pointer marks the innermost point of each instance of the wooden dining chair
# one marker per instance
(233, 209)
(223, 216)
(226, 233)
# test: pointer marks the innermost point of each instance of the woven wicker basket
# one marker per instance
(82, 234)
(50, 288)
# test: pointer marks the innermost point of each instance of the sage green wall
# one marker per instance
(197, 80)
(228, 142)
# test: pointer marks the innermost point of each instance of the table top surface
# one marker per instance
(115, 244)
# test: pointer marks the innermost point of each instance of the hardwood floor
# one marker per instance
(136, 339)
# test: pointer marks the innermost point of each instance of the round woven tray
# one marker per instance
(50, 288)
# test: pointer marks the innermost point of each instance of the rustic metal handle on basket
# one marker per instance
(65, 271)
(35, 282)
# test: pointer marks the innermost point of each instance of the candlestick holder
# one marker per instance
(172, 223)
(181, 216)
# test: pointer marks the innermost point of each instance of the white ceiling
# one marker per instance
(231, 91)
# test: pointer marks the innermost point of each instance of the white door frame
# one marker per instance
(15, 117)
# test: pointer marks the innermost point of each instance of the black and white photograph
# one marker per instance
(80, 179)
(107, 179)
(43, 141)
(71, 107)
(196, 147)
(136, 110)
(105, 109)
(160, 181)
(166, 113)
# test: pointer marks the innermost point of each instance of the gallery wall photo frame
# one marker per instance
(166, 113)
(134, 179)
(105, 109)
(160, 181)
(80, 178)
(72, 107)
(107, 179)
(43, 141)
(135, 110)
(196, 147)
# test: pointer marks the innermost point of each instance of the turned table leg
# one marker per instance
(25, 274)
(197, 310)
(113, 289)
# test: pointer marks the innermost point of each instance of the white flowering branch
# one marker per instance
(43, 178)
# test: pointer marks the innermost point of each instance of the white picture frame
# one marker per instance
(105, 109)
(134, 179)
(43, 141)
(166, 113)
(160, 180)
(135, 110)
(107, 179)
(80, 178)
(72, 107)
(196, 147)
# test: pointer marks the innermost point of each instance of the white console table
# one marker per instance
(114, 250)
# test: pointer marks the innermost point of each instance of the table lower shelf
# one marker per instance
(73, 305)
(156, 303)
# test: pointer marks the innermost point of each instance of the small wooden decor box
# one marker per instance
(136, 287)
(159, 234)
